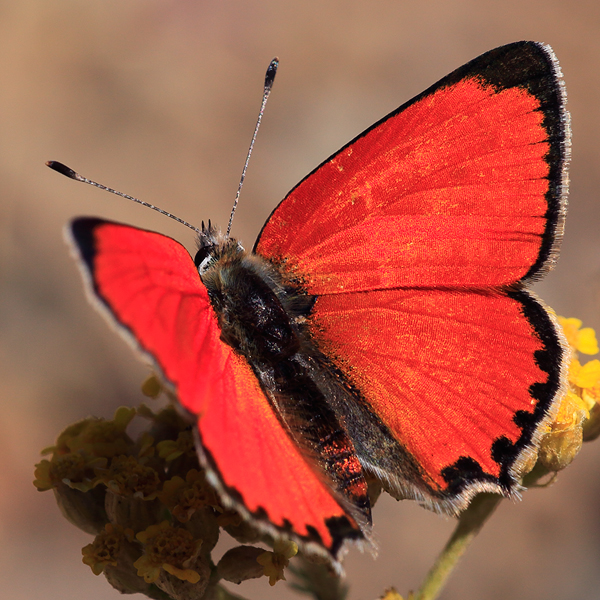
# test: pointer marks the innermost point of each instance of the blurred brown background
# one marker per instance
(158, 99)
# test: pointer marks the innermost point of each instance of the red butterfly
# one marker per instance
(382, 324)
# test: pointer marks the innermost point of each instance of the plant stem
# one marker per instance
(469, 524)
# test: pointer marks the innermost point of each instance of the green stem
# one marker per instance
(469, 524)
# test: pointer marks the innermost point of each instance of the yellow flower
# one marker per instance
(581, 340)
(105, 548)
(276, 561)
(152, 387)
(96, 437)
(586, 382)
(562, 443)
(392, 594)
(570, 413)
(184, 498)
(169, 548)
(169, 450)
(591, 396)
(74, 469)
(586, 376)
(578, 416)
(127, 476)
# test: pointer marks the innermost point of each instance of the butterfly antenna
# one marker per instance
(269, 79)
(68, 172)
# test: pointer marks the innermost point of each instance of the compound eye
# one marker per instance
(201, 255)
(203, 258)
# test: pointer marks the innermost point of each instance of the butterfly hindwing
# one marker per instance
(462, 380)
(148, 285)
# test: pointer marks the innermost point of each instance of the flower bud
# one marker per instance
(152, 387)
(591, 427)
(85, 510)
(240, 564)
(563, 442)
(239, 529)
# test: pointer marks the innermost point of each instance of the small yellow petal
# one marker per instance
(152, 387)
(43, 477)
(146, 569)
(275, 562)
(183, 574)
(391, 594)
(590, 397)
(587, 342)
(582, 340)
(589, 375)
(123, 416)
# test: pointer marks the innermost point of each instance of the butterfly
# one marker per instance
(381, 327)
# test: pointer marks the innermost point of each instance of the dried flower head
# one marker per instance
(106, 547)
(96, 437)
(128, 476)
(170, 548)
(185, 497)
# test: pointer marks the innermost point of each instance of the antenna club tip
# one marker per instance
(271, 72)
(62, 169)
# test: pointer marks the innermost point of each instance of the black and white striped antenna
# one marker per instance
(269, 79)
(68, 172)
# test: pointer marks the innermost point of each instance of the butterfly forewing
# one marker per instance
(150, 287)
(461, 186)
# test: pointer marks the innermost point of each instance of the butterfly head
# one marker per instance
(213, 246)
